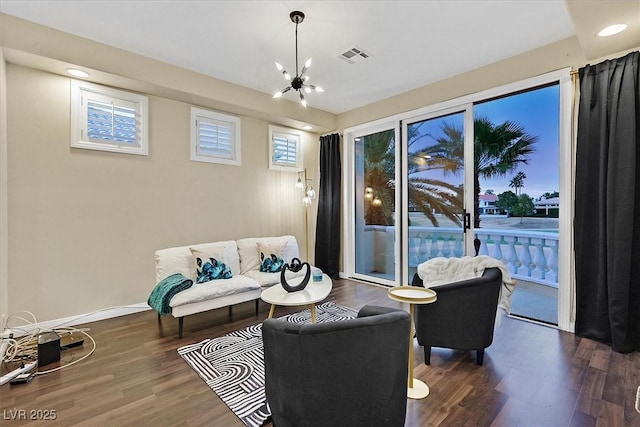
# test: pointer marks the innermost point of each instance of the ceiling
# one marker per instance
(410, 43)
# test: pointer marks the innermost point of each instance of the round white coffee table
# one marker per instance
(314, 292)
(412, 295)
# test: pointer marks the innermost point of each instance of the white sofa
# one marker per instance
(243, 259)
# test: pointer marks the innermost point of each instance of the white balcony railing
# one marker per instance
(528, 255)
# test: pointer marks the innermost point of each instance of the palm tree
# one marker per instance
(425, 194)
(431, 195)
(517, 182)
(379, 176)
(498, 149)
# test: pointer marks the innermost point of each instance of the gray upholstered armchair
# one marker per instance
(345, 373)
(463, 317)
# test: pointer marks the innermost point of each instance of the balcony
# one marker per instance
(531, 256)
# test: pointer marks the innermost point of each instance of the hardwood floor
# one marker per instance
(532, 376)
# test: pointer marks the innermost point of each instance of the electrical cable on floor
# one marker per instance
(26, 346)
(71, 363)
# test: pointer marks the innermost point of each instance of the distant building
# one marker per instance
(488, 204)
(548, 207)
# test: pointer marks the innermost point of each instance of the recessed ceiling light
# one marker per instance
(306, 127)
(612, 29)
(77, 73)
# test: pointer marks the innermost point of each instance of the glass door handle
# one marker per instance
(466, 223)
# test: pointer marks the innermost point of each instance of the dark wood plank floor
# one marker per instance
(532, 376)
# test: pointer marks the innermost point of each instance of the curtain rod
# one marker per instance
(331, 133)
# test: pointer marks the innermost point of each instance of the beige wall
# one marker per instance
(83, 224)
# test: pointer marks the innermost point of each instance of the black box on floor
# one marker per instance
(48, 348)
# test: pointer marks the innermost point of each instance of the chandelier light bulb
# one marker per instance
(308, 63)
(306, 78)
(299, 184)
(304, 103)
(278, 95)
(287, 76)
(376, 202)
(279, 67)
(306, 201)
(319, 89)
(307, 89)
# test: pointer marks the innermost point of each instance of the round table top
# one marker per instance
(412, 294)
(312, 293)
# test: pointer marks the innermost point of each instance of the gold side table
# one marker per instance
(413, 295)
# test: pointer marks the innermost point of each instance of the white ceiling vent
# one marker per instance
(353, 55)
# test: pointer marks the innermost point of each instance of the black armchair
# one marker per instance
(463, 317)
(345, 373)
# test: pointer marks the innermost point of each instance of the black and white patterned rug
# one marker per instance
(233, 365)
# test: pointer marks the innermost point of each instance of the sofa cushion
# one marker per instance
(180, 259)
(214, 289)
(250, 255)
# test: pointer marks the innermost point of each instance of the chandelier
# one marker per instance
(299, 82)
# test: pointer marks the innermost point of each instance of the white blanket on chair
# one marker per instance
(440, 271)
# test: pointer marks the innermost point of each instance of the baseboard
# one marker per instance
(94, 316)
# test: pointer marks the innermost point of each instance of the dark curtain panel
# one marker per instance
(607, 204)
(329, 197)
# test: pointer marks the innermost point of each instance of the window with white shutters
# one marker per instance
(284, 152)
(108, 119)
(215, 137)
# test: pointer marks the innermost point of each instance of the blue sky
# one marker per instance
(538, 111)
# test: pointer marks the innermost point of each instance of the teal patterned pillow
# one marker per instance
(270, 264)
(211, 270)
(271, 260)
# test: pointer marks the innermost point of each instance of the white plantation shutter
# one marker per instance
(107, 119)
(111, 122)
(285, 145)
(215, 137)
(285, 149)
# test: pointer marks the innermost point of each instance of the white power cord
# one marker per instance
(26, 347)
(638, 399)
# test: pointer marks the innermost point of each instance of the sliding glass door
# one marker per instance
(374, 200)
(434, 183)
(491, 168)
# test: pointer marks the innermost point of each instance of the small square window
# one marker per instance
(108, 119)
(285, 149)
(215, 137)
